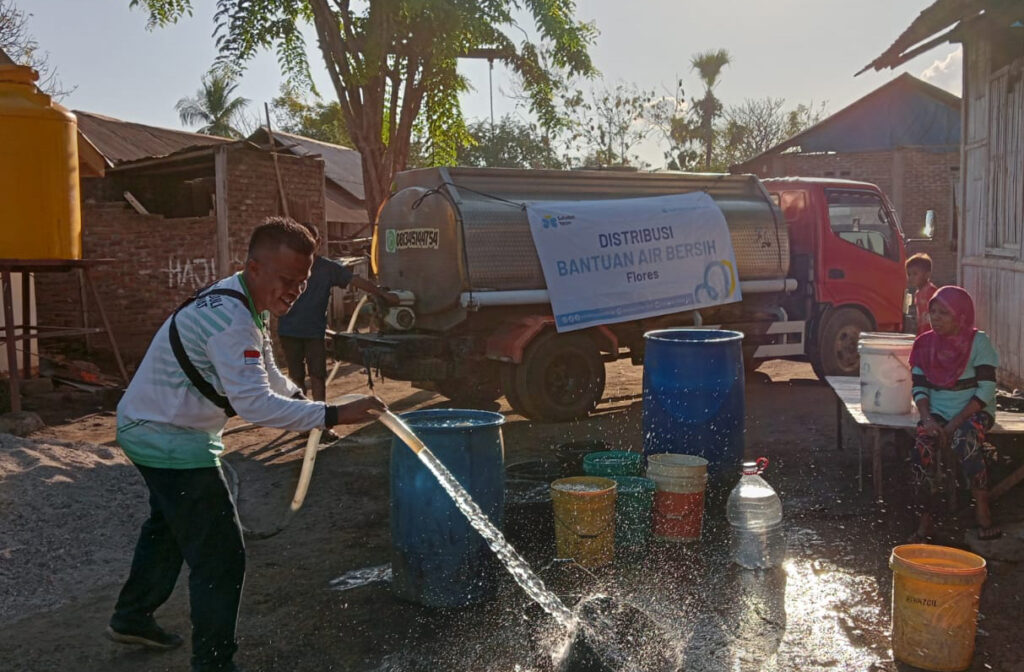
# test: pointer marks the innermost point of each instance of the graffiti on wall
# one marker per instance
(190, 273)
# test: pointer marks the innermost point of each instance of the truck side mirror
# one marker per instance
(929, 224)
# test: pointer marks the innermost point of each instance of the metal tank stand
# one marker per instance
(29, 332)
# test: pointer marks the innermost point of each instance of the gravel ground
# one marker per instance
(69, 513)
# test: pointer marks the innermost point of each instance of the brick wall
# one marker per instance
(160, 261)
(157, 264)
(931, 185)
(253, 194)
(927, 183)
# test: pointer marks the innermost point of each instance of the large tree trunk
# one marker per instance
(377, 179)
(360, 105)
(363, 101)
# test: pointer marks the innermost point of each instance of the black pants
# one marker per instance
(192, 518)
(303, 353)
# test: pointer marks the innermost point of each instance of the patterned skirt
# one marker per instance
(967, 447)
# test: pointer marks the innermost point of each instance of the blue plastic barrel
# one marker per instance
(437, 558)
(693, 397)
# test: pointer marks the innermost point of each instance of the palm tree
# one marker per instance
(213, 106)
(709, 65)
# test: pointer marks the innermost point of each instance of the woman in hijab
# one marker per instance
(954, 371)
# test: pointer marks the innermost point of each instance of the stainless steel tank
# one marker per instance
(450, 230)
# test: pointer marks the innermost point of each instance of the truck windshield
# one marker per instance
(861, 218)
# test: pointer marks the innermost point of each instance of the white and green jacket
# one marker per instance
(164, 422)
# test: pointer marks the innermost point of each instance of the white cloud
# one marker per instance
(946, 72)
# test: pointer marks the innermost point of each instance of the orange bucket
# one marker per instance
(935, 595)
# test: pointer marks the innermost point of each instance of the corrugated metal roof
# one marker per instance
(951, 16)
(342, 206)
(338, 211)
(120, 141)
(342, 166)
(906, 112)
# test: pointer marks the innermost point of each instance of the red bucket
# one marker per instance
(680, 481)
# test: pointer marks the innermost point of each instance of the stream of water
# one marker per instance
(514, 563)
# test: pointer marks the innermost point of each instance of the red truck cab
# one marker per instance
(853, 237)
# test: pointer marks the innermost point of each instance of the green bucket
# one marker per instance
(611, 463)
(633, 511)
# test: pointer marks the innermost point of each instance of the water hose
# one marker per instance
(313, 442)
(309, 454)
(301, 488)
(355, 313)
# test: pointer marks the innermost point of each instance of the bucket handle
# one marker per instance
(604, 530)
(900, 362)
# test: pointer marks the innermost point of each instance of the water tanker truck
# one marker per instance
(818, 260)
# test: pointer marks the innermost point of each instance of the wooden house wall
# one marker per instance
(992, 258)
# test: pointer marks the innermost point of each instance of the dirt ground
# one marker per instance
(70, 507)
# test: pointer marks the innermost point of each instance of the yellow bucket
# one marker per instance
(935, 594)
(584, 519)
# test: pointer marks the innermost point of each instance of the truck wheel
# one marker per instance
(507, 374)
(561, 377)
(836, 353)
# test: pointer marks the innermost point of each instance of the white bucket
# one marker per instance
(885, 378)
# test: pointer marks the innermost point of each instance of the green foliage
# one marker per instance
(709, 65)
(319, 120)
(608, 123)
(670, 118)
(509, 144)
(802, 117)
(214, 106)
(445, 128)
(756, 125)
(163, 13)
(390, 60)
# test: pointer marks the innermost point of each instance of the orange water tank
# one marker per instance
(40, 216)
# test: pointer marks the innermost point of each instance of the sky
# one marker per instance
(801, 50)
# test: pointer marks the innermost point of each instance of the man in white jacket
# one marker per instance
(210, 360)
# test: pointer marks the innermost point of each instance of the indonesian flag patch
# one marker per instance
(251, 356)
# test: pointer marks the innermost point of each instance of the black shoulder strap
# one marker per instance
(191, 372)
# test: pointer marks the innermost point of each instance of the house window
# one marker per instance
(1006, 148)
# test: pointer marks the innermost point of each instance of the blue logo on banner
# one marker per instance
(555, 221)
(716, 289)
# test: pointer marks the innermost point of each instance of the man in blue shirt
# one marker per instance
(303, 328)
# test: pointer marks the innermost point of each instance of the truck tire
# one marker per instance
(561, 378)
(507, 375)
(836, 351)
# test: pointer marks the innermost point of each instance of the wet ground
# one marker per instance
(826, 609)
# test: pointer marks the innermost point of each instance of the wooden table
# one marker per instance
(847, 390)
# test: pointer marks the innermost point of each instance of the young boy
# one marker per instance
(919, 277)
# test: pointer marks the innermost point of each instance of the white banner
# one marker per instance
(619, 260)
